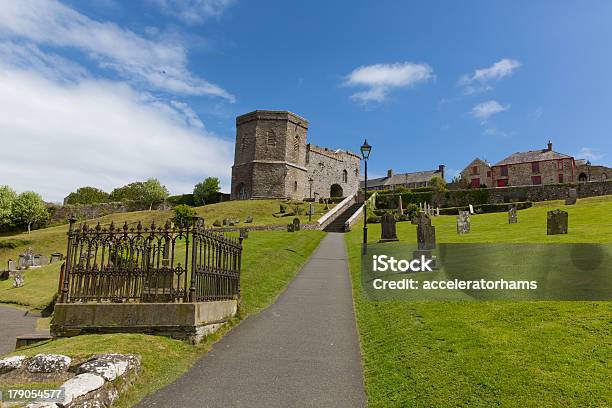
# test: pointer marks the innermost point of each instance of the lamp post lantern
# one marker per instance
(365, 154)
(310, 181)
(588, 164)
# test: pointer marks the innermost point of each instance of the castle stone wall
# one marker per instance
(326, 168)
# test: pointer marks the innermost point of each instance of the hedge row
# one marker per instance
(391, 201)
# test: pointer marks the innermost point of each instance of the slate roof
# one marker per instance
(402, 178)
(532, 156)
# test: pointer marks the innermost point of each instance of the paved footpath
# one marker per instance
(14, 322)
(303, 351)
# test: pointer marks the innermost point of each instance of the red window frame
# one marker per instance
(560, 177)
(560, 165)
(535, 167)
(536, 180)
(503, 171)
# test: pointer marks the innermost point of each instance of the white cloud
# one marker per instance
(160, 65)
(194, 11)
(381, 78)
(59, 135)
(485, 110)
(589, 153)
(495, 132)
(480, 80)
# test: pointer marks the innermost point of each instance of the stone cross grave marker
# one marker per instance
(512, 216)
(388, 232)
(463, 222)
(556, 222)
(296, 224)
(573, 196)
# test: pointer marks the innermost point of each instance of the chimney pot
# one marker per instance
(441, 170)
(549, 146)
(389, 173)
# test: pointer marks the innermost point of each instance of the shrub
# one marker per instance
(183, 215)
(437, 183)
(14, 243)
(411, 210)
(373, 219)
(185, 199)
(283, 208)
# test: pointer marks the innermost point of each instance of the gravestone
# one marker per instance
(40, 260)
(471, 209)
(400, 206)
(19, 281)
(556, 222)
(12, 265)
(296, 224)
(290, 228)
(249, 219)
(388, 232)
(244, 233)
(573, 196)
(26, 259)
(463, 222)
(56, 257)
(512, 216)
(426, 233)
(437, 211)
(226, 221)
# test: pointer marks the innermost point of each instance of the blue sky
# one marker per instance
(106, 92)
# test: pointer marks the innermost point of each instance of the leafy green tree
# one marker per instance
(183, 215)
(132, 192)
(87, 195)
(153, 192)
(7, 198)
(206, 191)
(437, 183)
(29, 209)
(149, 192)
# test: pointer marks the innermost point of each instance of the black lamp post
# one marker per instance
(588, 164)
(365, 153)
(310, 181)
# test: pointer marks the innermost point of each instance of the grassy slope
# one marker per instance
(489, 353)
(49, 240)
(271, 259)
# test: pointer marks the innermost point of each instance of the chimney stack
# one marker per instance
(441, 171)
(389, 173)
(549, 146)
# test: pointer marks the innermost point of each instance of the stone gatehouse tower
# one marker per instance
(273, 160)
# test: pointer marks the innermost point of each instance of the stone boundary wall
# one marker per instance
(60, 213)
(459, 198)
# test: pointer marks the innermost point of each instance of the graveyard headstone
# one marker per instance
(248, 219)
(244, 233)
(426, 233)
(56, 257)
(388, 231)
(573, 196)
(471, 209)
(556, 222)
(296, 224)
(19, 281)
(12, 265)
(512, 216)
(463, 222)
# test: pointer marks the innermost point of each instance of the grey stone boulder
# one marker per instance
(42, 404)
(48, 363)
(109, 366)
(11, 363)
(80, 385)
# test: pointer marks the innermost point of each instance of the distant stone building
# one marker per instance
(478, 173)
(407, 180)
(592, 172)
(534, 167)
(272, 159)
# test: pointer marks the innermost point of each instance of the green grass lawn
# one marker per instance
(264, 212)
(483, 354)
(270, 260)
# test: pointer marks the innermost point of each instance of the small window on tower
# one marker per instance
(344, 176)
(295, 186)
(296, 143)
(271, 138)
(245, 143)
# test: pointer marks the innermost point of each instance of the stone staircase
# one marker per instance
(337, 225)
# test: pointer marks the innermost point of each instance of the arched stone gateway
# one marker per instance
(335, 190)
(582, 178)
